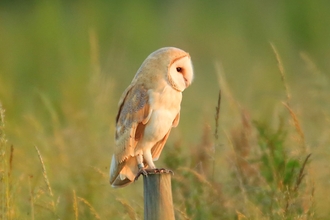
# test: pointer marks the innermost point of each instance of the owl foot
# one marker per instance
(141, 171)
(162, 170)
(145, 172)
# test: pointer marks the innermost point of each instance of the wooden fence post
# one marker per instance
(158, 202)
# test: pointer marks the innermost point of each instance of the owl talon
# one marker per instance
(145, 172)
(163, 170)
(141, 171)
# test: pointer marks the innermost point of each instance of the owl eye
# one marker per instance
(179, 69)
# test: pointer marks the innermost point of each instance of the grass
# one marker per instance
(257, 150)
(266, 182)
(265, 179)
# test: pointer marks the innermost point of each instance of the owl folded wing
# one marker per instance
(134, 112)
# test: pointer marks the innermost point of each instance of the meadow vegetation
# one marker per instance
(259, 149)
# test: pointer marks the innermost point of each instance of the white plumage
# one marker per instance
(148, 109)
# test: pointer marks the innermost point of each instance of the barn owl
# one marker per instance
(148, 109)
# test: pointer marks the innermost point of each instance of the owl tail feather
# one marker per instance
(122, 174)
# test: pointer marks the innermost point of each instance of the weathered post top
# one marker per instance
(158, 203)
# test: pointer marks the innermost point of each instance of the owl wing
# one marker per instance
(157, 149)
(134, 112)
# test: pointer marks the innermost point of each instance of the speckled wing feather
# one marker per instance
(134, 112)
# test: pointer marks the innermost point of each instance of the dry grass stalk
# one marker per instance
(240, 216)
(98, 170)
(241, 141)
(91, 208)
(2, 119)
(130, 210)
(75, 206)
(11, 156)
(310, 64)
(3, 194)
(282, 71)
(241, 135)
(51, 110)
(217, 116)
(182, 214)
(291, 193)
(309, 204)
(296, 125)
(301, 173)
(198, 176)
(236, 168)
(44, 173)
(9, 184)
(6, 211)
(216, 135)
(94, 52)
(31, 199)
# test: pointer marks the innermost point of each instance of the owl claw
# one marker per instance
(141, 171)
(163, 170)
(145, 172)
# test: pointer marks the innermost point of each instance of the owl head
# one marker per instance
(171, 64)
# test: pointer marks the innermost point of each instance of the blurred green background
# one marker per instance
(64, 65)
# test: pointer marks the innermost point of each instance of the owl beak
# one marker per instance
(186, 82)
